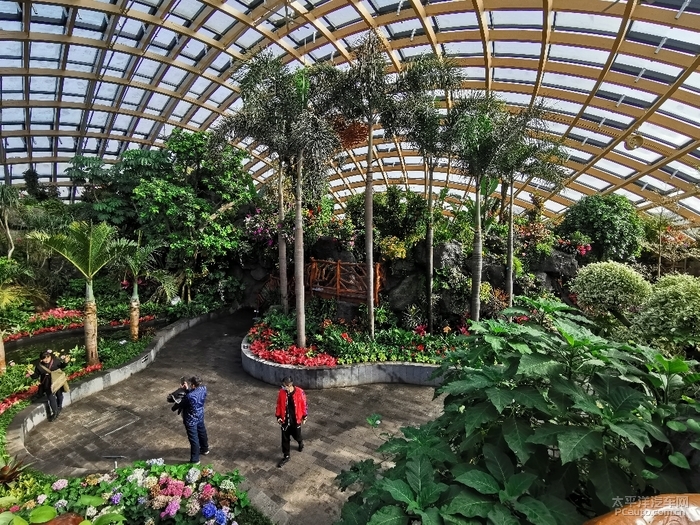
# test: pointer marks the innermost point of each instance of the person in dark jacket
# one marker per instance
(193, 418)
(177, 397)
(291, 412)
(42, 370)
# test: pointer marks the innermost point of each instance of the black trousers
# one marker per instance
(291, 431)
(55, 401)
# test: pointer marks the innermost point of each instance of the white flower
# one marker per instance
(91, 512)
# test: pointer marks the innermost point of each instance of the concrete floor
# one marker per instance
(133, 419)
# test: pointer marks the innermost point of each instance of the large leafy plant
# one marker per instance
(543, 423)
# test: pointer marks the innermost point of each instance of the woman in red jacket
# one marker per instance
(291, 413)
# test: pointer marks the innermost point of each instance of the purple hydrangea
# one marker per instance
(60, 484)
(142, 500)
(209, 510)
(116, 498)
(220, 517)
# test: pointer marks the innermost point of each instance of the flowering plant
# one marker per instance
(262, 345)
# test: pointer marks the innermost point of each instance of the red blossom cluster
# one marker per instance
(57, 313)
(420, 330)
(59, 328)
(520, 319)
(261, 346)
(573, 247)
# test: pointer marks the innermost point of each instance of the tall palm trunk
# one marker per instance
(477, 259)
(10, 241)
(3, 365)
(281, 243)
(134, 312)
(429, 244)
(369, 233)
(299, 259)
(90, 325)
(509, 270)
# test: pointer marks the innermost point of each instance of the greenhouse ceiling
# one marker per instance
(99, 77)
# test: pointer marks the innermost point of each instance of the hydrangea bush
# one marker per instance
(147, 492)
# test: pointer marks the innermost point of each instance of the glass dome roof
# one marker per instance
(98, 77)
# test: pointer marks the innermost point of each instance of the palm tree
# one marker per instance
(139, 261)
(9, 201)
(482, 131)
(532, 153)
(418, 118)
(88, 248)
(83, 169)
(365, 94)
(269, 105)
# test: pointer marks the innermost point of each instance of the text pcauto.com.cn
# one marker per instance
(653, 505)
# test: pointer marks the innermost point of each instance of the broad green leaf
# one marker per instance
(18, 520)
(693, 425)
(546, 434)
(634, 433)
(455, 519)
(6, 501)
(563, 479)
(587, 404)
(497, 463)
(655, 432)
(518, 484)
(464, 386)
(6, 517)
(608, 481)
(430, 494)
(351, 514)
(563, 511)
(479, 481)
(530, 397)
(91, 501)
(576, 442)
(469, 504)
(399, 490)
(669, 481)
(85, 522)
(43, 514)
(419, 472)
(500, 515)
(679, 460)
(390, 515)
(653, 461)
(520, 347)
(535, 510)
(500, 398)
(538, 365)
(648, 474)
(516, 432)
(624, 399)
(106, 519)
(477, 416)
(677, 426)
(673, 366)
(430, 517)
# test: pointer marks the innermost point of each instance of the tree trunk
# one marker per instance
(429, 244)
(134, 312)
(281, 243)
(658, 267)
(477, 260)
(90, 326)
(299, 259)
(9, 237)
(3, 364)
(509, 270)
(369, 234)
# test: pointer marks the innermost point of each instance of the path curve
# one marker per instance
(132, 419)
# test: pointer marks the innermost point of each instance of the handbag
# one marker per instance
(58, 379)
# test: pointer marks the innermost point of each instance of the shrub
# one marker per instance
(543, 423)
(671, 316)
(610, 221)
(610, 287)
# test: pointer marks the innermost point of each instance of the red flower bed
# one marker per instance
(125, 322)
(15, 398)
(59, 328)
(260, 346)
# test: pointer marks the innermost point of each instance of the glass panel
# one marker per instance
(636, 199)
(655, 183)
(614, 168)
(517, 49)
(464, 49)
(466, 20)
(220, 22)
(342, 17)
(187, 9)
(527, 76)
(567, 82)
(585, 23)
(578, 55)
(663, 135)
(681, 111)
(641, 154)
(592, 182)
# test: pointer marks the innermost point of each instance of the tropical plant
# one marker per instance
(82, 169)
(364, 95)
(418, 118)
(610, 221)
(89, 248)
(610, 287)
(542, 424)
(664, 240)
(670, 317)
(9, 201)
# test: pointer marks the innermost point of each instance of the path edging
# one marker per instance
(25, 420)
(339, 376)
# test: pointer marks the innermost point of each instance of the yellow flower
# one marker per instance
(447, 329)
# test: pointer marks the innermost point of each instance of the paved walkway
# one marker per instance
(132, 419)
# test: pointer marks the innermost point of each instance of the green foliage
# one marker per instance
(671, 316)
(543, 423)
(612, 224)
(610, 286)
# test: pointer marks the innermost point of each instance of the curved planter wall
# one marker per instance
(341, 375)
(27, 419)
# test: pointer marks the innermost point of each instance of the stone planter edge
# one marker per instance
(320, 377)
(25, 421)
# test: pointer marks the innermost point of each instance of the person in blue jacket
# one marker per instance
(193, 418)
